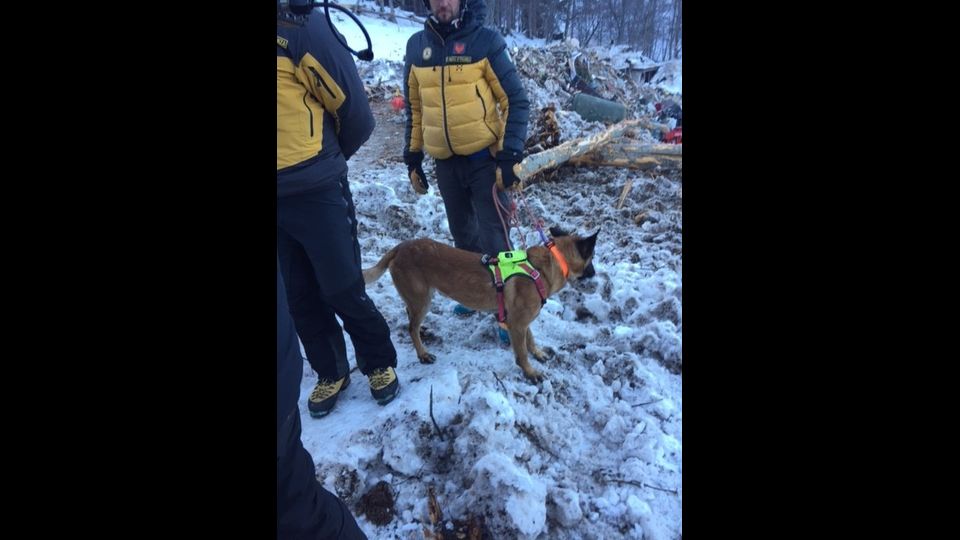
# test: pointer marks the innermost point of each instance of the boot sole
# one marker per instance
(321, 414)
(388, 399)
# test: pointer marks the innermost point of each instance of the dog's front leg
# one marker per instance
(518, 339)
(537, 352)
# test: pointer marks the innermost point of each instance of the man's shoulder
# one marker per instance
(415, 45)
(491, 36)
(415, 37)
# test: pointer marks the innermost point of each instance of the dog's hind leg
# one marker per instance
(416, 295)
(417, 311)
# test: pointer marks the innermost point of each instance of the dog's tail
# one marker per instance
(372, 274)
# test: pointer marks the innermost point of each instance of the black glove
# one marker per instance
(418, 180)
(506, 174)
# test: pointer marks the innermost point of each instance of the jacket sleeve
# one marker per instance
(511, 96)
(328, 72)
(413, 133)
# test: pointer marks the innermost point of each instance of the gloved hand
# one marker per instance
(507, 163)
(418, 179)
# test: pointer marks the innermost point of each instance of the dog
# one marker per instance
(421, 266)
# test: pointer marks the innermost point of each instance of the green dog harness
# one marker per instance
(506, 265)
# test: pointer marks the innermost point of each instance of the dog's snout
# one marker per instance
(588, 272)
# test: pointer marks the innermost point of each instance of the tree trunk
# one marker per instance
(632, 156)
(569, 22)
(614, 147)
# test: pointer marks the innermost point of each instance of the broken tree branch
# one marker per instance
(439, 431)
(648, 403)
(396, 473)
(611, 148)
(435, 515)
(628, 147)
(623, 194)
(501, 382)
(558, 155)
(653, 126)
(632, 155)
(532, 437)
(643, 485)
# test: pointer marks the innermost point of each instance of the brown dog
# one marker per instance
(419, 267)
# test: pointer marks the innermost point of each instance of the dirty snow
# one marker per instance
(595, 451)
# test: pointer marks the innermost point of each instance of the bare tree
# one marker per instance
(654, 27)
(676, 28)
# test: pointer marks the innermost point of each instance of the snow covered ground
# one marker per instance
(595, 451)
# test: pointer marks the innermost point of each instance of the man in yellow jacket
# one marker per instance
(467, 109)
(323, 118)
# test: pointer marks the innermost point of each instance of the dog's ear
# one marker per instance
(585, 245)
(557, 232)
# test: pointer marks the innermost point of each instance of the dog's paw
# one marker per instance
(534, 376)
(544, 354)
(427, 359)
(428, 337)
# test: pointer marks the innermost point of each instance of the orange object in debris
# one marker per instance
(397, 103)
(674, 136)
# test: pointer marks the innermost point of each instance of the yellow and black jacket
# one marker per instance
(455, 85)
(323, 116)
